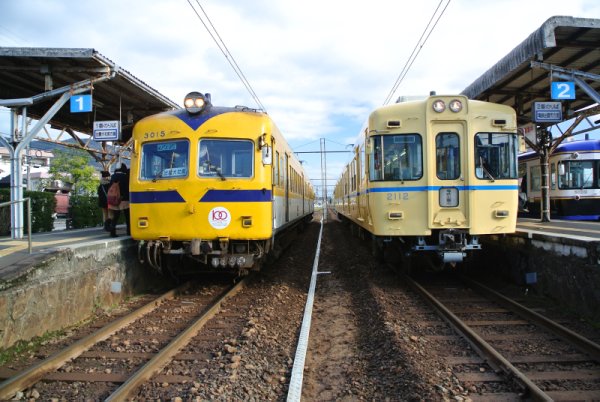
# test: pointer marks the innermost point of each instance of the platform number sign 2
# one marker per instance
(81, 103)
(562, 90)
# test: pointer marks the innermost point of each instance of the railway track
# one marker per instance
(515, 352)
(114, 361)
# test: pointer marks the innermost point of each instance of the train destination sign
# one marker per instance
(547, 112)
(106, 130)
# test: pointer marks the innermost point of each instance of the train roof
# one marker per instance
(567, 147)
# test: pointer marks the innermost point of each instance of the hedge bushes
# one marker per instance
(83, 211)
(42, 208)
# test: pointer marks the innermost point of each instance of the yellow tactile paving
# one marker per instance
(19, 245)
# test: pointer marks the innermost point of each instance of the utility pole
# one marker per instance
(324, 178)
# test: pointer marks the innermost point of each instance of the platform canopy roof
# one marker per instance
(27, 72)
(571, 44)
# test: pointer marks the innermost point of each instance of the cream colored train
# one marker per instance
(433, 176)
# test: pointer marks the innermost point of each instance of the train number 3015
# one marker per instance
(155, 134)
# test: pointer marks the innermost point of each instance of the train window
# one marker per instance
(576, 175)
(536, 178)
(276, 169)
(447, 156)
(396, 157)
(362, 163)
(496, 156)
(225, 158)
(165, 160)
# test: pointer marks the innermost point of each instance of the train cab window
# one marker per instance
(165, 160)
(447, 146)
(576, 175)
(396, 157)
(496, 156)
(225, 158)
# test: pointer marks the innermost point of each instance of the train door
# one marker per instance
(361, 193)
(448, 202)
(286, 186)
(274, 183)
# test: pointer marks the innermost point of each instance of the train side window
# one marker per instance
(276, 169)
(165, 160)
(576, 174)
(536, 178)
(362, 163)
(375, 158)
(447, 164)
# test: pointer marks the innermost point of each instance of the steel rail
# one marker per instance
(154, 365)
(490, 353)
(584, 344)
(21, 381)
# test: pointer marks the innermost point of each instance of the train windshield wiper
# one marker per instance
(216, 169)
(485, 170)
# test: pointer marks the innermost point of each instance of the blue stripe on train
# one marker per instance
(437, 188)
(149, 197)
(237, 196)
(196, 120)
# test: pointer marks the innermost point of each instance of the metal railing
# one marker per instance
(28, 201)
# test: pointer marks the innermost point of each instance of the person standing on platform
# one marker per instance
(120, 177)
(102, 198)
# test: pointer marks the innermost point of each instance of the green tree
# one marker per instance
(74, 167)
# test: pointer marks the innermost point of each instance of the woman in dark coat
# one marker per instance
(120, 176)
(102, 201)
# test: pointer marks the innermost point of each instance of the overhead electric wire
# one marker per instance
(416, 50)
(223, 48)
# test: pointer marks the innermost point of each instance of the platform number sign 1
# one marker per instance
(562, 90)
(81, 103)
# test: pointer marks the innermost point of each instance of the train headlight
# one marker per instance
(231, 261)
(223, 261)
(448, 197)
(214, 262)
(455, 105)
(439, 106)
(241, 261)
(195, 102)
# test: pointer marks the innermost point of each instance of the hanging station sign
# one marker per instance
(107, 130)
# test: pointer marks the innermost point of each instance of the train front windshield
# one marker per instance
(496, 156)
(165, 160)
(226, 158)
(396, 157)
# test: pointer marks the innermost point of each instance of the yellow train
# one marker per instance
(433, 175)
(214, 186)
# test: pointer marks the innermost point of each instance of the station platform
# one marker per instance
(584, 231)
(15, 256)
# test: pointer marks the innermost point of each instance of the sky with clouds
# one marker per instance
(318, 66)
